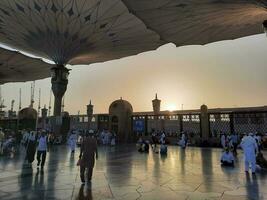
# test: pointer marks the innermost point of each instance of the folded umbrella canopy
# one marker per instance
(74, 31)
(90, 31)
(16, 67)
(199, 22)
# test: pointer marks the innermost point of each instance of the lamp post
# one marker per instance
(59, 82)
(90, 110)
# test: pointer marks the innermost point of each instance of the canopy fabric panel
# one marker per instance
(90, 31)
(199, 22)
(16, 67)
(74, 31)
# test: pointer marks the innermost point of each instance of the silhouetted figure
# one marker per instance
(87, 156)
(30, 147)
(261, 161)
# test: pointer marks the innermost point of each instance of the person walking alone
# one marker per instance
(30, 147)
(72, 141)
(41, 150)
(87, 157)
(250, 149)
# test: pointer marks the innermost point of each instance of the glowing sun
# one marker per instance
(171, 107)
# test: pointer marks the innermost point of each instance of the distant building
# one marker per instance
(201, 124)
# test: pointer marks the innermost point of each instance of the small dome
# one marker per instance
(120, 105)
(65, 114)
(28, 113)
(204, 108)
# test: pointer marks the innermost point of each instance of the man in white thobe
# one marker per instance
(250, 148)
(184, 140)
(41, 150)
(223, 141)
(162, 137)
(72, 141)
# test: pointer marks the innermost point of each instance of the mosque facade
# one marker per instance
(202, 125)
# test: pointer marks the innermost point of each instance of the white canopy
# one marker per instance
(15, 67)
(199, 22)
(90, 31)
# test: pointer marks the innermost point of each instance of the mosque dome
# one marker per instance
(120, 112)
(120, 105)
(28, 113)
(65, 114)
(204, 108)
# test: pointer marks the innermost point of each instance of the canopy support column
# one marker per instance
(59, 86)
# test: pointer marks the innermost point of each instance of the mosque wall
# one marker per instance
(201, 123)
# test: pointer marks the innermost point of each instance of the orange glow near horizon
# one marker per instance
(171, 107)
(222, 74)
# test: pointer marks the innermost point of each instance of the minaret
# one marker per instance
(19, 99)
(32, 94)
(90, 110)
(39, 103)
(2, 106)
(11, 111)
(39, 107)
(44, 117)
(156, 105)
(1, 100)
(19, 108)
(49, 106)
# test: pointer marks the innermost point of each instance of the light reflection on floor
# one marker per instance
(123, 173)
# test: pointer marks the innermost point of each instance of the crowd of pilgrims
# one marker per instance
(33, 142)
(37, 144)
(159, 138)
(103, 137)
(11, 141)
(8, 142)
(250, 143)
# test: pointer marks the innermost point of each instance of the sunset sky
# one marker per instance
(222, 74)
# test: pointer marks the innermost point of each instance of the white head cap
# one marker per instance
(251, 134)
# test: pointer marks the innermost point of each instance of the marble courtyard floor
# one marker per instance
(123, 173)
